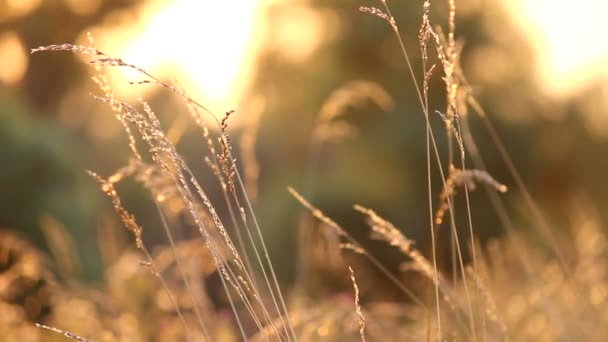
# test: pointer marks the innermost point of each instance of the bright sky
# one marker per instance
(571, 39)
(204, 44)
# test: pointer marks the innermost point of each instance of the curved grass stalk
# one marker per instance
(355, 246)
(131, 224)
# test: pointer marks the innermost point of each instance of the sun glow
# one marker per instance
(570, 41)
(207, 45)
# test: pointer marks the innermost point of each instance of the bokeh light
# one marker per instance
(569, 41)
(13, 58)
(17, 8)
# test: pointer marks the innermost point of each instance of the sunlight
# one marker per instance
(570, 41)
(206, 45)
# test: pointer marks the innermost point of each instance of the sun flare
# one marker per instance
(570, 40)
(206, 45)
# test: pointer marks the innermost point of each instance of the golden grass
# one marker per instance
(510, 290)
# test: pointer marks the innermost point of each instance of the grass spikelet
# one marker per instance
(67, 334)
(360, 317)
(354, 93)
(104, 60)
(354, 245)
(384, 230)
(86, 50)
(467, 179)
(127, 219)
(379, 13)
(317, 213)
(226, 161)
(424, 31)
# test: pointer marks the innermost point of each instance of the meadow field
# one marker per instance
(387, 172)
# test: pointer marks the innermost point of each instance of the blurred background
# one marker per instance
(537, 67)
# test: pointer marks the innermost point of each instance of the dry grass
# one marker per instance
(510, 290)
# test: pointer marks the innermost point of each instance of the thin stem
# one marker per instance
(195, 303)
(267, 257)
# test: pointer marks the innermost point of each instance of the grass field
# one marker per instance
(217, 282)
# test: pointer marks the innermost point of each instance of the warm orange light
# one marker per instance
(209, 46)
(570, 41)
(206, 45)
(298, 32)
(17, 8)
(13, 58)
